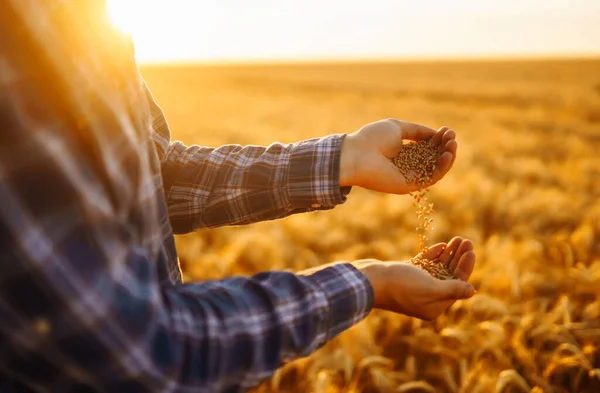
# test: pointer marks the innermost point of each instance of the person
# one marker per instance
(92, 190)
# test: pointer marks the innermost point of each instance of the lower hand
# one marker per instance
(406, 289)
(367, 153)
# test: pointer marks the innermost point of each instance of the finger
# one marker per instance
(451, 147)
(437, 138)
(448, 136)
(454, 290)
(465, 266)
(465, 246)
(450, 250)
(445, 161)
(444, 164)
(434, 251)
(416, 132)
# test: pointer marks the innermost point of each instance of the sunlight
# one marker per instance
(160, 28)
(122, 14)
(183, 30)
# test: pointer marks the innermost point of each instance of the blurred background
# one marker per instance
(518, 81)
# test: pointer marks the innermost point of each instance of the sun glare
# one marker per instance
(165, 30)
(182, 30)
(123, 16)
(154, 25)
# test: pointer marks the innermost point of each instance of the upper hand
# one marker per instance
(367, 153)
(406, 289)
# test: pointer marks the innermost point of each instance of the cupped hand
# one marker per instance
(367, 153)
(406, 289)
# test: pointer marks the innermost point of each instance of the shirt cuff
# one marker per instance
(314, 173)
(349, 297)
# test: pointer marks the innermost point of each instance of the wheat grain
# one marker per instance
(435, 268)
(417, 162)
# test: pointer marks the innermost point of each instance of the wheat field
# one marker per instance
(525, 188)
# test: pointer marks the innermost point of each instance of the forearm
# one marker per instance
(221, 335)
(234, 185)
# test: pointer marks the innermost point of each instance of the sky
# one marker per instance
(259, 30)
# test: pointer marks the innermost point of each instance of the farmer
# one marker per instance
(92, 190)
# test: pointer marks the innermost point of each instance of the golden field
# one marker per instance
(525, 188)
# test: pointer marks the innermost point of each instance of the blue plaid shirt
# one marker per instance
(91, 191)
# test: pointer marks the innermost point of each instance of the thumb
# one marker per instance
(456, 289)
(416, 132)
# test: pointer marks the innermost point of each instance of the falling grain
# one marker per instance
(417, 162)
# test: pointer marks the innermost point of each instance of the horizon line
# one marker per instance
(367, 59)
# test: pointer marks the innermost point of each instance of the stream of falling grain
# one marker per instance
(417, 161)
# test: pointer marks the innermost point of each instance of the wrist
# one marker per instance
(372, 270)
(347, 162)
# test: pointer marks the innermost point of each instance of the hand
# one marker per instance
(367, 153)
(406, 289)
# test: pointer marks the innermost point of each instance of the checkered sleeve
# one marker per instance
(74, 321)
(234, 185)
